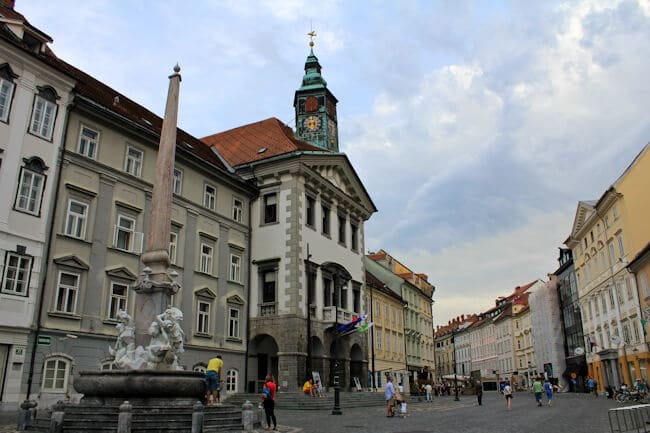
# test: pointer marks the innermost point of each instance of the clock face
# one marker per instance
(311, 123)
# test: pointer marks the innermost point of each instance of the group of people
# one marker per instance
(314, 389)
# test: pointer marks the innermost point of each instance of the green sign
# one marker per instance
(44, 340)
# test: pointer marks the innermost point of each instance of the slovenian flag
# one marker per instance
(356, 321)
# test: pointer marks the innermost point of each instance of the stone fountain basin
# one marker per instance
(140, 384)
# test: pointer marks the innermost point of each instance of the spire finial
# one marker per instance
(177, 68)
(312, 35)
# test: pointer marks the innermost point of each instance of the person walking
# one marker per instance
(389, 395)
(428, 390)
(507, 393)
(479, 392)
(592, 386)
(268, 402)
(549, 391)
(537, 389)
(213, 381)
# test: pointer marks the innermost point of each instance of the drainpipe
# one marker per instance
(248, 289)
(45, 257)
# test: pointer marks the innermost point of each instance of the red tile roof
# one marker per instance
(257, 141)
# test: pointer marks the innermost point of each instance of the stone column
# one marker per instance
(155, 287)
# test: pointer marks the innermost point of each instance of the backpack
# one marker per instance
(266, 393)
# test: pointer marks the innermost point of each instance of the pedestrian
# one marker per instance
(389, 395)
(268, 402)
(592, 386)
(537, 389)
(308, 388)
(479, 392)
(549, 391)
(213, 381)
(427, 389)
(507, 393)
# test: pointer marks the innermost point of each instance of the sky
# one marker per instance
(476, 126)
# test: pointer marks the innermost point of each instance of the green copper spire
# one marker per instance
(315, 105)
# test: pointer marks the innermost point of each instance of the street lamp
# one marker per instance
(528, 384)
(453, 341)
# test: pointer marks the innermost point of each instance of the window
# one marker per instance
(628, 289)
(44, 113)
(124, 233)
(354, 229)
(233, 322)
(16, 274)
(619, 293)
(7, 87)
(117, 299)
(342, 229)
(173, 247)
(326, 220)
(108, 365)
(235, 268)
(66, 293)
(88, 140)
(75, 225)
(621, 248)
(177, 182)
(30, 191)
(231, 380)
(133, 163)
(311, 204)
(610, 292)
(645, 290)
(55, 375)
(205, 264)
(237, 210)
(591, 235)
(615, 213)
(603, 302)
(209, 196)
(612, 253)
(270, 208)
(268, 288)
(203, 317)
(378, 339)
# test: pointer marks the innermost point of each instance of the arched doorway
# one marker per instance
(338, 367)
(317, 356)
(262, 360)
(356, 365)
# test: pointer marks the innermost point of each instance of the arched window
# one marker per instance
(232, 377)
(56, 372)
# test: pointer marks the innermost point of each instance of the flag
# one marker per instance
(364, 327)
(351, 324)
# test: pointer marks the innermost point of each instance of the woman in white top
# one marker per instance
(507, 393)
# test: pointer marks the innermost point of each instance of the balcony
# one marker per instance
(343, 316)
(268, 309)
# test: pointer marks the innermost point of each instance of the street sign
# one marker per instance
(44, 340)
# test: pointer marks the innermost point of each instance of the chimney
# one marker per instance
(8, 3)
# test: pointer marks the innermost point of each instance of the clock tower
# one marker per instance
(315, 106)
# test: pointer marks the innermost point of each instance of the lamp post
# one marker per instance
(529, 383)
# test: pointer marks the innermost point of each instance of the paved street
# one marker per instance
(569, 414)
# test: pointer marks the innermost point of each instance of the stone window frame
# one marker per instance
(264, 267)
(342, 232)
(326, 219)
(7, 77)
(44, 100)
(207, 297)
(20, 256)
(235, 269)
(234, 323)
(265, 206)
(58, 359)
(310, 210)
(85, 142)
(206, 261)
(133, 165)
(76, 219)
(203, 316)
(36, 167)
(74, 266)
(209, 198)
(111, 297)
(237, 209)
(177, 181)
(354, 235)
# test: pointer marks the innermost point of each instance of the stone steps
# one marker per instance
(300, 401)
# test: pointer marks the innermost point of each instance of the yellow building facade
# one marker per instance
(606, 235)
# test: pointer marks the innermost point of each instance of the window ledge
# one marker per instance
(202, 335)
(269, 224)
(26, 212)
(239, 283)
(110, 321)
(15, 295)
(63, 315)
(207, 274)
(119, 250)
(234, 339)
(85, 241)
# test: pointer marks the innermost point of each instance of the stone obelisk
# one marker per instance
(155, 287)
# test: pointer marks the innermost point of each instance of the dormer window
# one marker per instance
(44, 113)
(7, 87)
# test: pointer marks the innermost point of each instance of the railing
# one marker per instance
(267, 309)
(630, 419)
(342, 315)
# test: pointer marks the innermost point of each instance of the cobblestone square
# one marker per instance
(568, 414)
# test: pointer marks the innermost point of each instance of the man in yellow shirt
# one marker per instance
(212, 381)
(308, 388)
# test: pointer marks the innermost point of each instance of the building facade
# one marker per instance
(307, 245)
(387, 355)
(574, 351)
(606, 235)
(34, 100)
